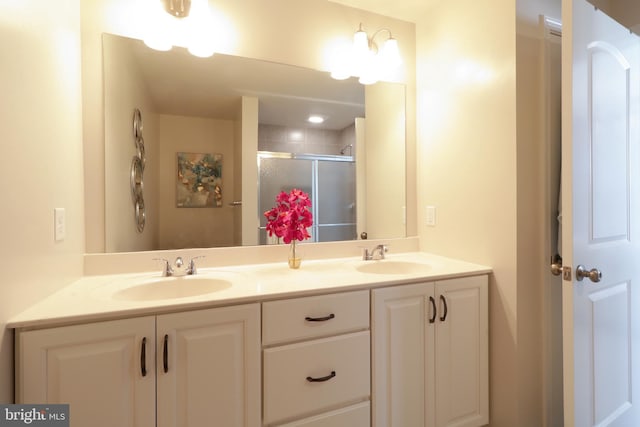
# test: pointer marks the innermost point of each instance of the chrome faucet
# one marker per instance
(380, 249)
(179, 268)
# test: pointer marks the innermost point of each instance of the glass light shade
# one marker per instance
(341, 67)
(390, 53)
(201, 49)
(158, 42)
(200, 34)
(340, 73)
(368, 68)
(368, 77)
(159, 27)
(360, 43)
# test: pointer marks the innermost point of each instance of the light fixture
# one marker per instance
(180, 22)
(366, 60)
(315, 119)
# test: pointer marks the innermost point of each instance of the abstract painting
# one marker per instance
(199, 181)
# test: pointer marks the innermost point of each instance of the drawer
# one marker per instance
(312, 317)
(289, 394)
(351, 416)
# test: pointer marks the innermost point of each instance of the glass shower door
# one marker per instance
(281, 174)
(330, 182)
(336, 201)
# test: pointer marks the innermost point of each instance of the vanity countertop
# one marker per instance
(91, 298)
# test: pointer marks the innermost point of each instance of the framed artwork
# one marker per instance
(199, 180)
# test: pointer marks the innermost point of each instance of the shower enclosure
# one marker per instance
(330, 182)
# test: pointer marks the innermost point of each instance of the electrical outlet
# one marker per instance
(60, 224)
(431, 216)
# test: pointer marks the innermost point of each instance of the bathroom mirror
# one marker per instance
(194, 106)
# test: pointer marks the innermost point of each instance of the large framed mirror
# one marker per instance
(243, 110)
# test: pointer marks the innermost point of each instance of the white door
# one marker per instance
(208, 367)
(600, 190)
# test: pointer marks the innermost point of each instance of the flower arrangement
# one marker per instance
(290, 217)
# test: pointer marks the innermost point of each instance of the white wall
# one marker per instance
(41, 163)
(256, 29)
(195, 227)
(249, 166)
(481, 139)
(385, 165)
(125, 90)
(467, 164)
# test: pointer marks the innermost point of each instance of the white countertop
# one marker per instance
(92, 297)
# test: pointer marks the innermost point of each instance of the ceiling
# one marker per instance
(182, 84)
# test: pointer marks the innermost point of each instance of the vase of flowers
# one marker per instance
(289, 220)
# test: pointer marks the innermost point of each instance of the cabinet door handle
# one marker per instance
(432, 319)
(165, 354)
(320, 319)
(322, 379)
(446, 309)
(143, 357)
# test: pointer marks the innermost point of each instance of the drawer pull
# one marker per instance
(165, 354)
(322, 379)
(320, 319)
(446, 309)
(432, 319)
(143, 357)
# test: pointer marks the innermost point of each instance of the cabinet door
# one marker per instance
(208, 364)
(462, 339)
(98, 369)
(402, 356)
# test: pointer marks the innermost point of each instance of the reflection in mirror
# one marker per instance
(242, 110)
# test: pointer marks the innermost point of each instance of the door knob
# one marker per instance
(556, 265)
(594, 274)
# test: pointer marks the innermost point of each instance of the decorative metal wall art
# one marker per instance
(137, 170)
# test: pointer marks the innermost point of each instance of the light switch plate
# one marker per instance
(431, 216)
(60, 224)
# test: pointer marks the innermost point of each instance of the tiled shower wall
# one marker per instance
(306, 140)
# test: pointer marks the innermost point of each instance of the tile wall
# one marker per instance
(305, 140)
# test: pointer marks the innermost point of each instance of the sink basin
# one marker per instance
(393, 267)
(170, 288)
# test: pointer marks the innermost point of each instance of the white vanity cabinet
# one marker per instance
(430, 354)
(208, 367)
(316, 361)
(198, 368)
(97, 368)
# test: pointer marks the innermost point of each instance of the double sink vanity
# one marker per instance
(401, 341)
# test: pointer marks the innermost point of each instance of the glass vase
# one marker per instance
(295, 255)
